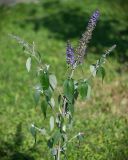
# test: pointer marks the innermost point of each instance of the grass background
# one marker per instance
(50, 24)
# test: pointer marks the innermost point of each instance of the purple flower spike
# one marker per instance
(87, 35)
(70, 54)
(95, 16)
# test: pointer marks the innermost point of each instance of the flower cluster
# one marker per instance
(109, 50)
(81, 50)
(70, 54)
(82, 46)
(93, 19)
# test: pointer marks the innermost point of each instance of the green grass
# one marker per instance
(103, 118)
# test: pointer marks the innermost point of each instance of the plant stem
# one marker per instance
(58, 153)
(63, 114)
(72, 72)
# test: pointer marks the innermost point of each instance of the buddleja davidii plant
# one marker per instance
(61, 119)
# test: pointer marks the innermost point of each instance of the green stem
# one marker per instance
(58, 153)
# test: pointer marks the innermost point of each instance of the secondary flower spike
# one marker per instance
(83, 43)
(70, 54)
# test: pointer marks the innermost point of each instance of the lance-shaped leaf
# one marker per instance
(54, 151)
(48, 95)
(37, 94)
(84, 90)
(56, 137)
(52, 102)
(93, 70)
(101, 72)
(64, 128)
(53, 81)
(44, 80)
(51, 122)
(89, 91)
(33, 131)
(28, 64)
(50, 142)
(71, 108)
(44, 107)
(59, 99)
(69, 89)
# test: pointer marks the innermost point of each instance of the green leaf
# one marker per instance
(28, 64)
(33, 130)
(36, 96)
(56, 137)
(71, 108)
(51, 122)
(50, 142)
(43, 131)
(44, 80)
(52, 102)
(80, 137)
(64, 128)
(93, 70)
(89, 92)
(44, 107)
(102, 60)
(69, 89)
(59, 99)
(76, 93)
(53, 81)
(83, 89)
(54, 151)
(48, 94)
(101, 72)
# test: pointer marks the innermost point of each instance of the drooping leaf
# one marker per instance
(37, 94)
(50, 142)
(53, 81)
(101, 72)
(64, 128)
(52, 101)
(23, 48)
(59, 99)
(69, 89)
(56, 137)
(80, 137)
(51, 122)
(44, 80)
(102, 60)
(48, 95)
(28, 64)
(83, 89)
(76, 93)
(43, 131)
(36, 97)
(44, 107)
(89, 91)
(71, 108)
(93, 70)
(33, 131)
(54, 151)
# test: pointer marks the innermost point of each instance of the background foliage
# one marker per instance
(50, 24)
